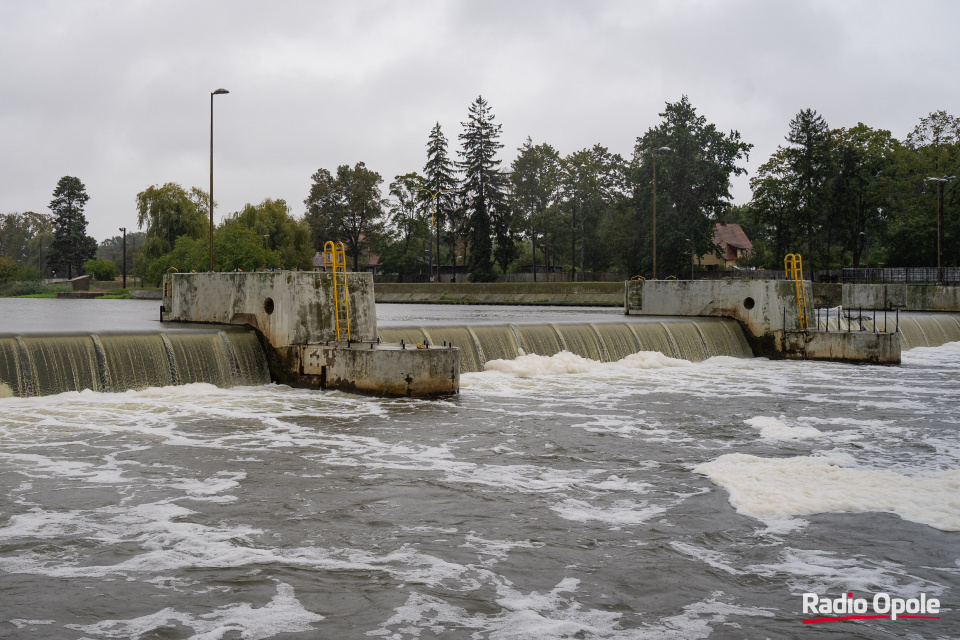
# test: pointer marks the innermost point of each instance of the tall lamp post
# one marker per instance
(433, 215)
(653, 154)
(124, 230)
(940, 182)
(215, 93)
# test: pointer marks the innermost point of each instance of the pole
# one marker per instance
(211, 183)
(654, 154)
(124, 229)
(940, 231)
(214, 93)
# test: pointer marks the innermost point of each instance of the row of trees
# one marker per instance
(854, 196)
(839, 196)
(591, 210)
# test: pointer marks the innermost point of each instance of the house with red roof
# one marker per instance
(734, 246)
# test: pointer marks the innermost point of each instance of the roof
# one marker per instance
(731, 234)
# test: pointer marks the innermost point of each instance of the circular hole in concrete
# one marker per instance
(748, 303)
(268, 305)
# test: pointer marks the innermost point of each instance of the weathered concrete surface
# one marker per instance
(843, 346)
(761, 306)
(287, 307)
(908, 297)
(384, 370)
(827, 294)
(607, 294)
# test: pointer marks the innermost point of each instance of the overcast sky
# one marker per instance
(117, 93)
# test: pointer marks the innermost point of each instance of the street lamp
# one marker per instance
(653, 154)
(124, 230)
(940, 182)
(433, 214)
(215, 93)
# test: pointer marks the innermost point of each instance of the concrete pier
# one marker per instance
(769, 314)
(293, 314)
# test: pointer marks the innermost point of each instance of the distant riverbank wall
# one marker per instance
(585, 294)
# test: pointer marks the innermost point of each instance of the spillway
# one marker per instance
(49, 364)
(694, 340)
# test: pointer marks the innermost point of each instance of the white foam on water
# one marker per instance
(533, 365)
(621, 512)
(817, 571)
(776, 429)
(779, 487)
(553, 614)
(715, 559)
(283, 614)
(20, 623)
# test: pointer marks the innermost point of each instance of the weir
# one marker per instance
(46, 365)
(693, 339)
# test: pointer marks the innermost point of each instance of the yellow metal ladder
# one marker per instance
(793, 265)
(335, 261)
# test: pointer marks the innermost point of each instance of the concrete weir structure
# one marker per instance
(769, 314)
(293, 313)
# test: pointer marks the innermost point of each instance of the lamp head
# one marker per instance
(219, 92)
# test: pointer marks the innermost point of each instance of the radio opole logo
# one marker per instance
(883, 605)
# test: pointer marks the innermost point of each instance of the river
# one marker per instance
(554, 498)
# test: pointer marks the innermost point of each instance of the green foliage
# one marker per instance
(280, 232)
(408, 233)
(101, 269)
(71, 245)
(591, 182)
(112, 249)
(348, 209)
(235, 248)
(693, 187)
(8, 269)
(484, 187)
(26, 237)
(170, 212)
(32, 288)
(535, 181)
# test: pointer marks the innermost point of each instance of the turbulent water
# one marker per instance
(556, 497)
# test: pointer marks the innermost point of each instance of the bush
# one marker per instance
(23, 288)
(101, 269)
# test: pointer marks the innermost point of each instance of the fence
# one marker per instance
(901, 275)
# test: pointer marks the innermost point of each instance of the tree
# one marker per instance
(279, 231)
(484, 192)
(535, 177)
(931, 150)
(693, 184)
(348, 208)
(439, 176)
(112, 249)
(235, 248)
(71, 244)
(409, 230)
(170, 212)
(590, 181)
(101, 269)
(25, 237)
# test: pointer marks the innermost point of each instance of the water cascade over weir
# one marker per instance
(694, 340)
(46, 365)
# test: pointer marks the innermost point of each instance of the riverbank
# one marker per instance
(582, 294)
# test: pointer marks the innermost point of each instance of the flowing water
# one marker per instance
(556, 497)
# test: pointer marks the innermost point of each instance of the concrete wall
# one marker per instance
(843, 346)
(909, 297)
(384, 370)
(547, 293)
(288, 307)
(761, 306)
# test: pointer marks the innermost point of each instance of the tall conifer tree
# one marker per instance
(484, 192)
(439, 175)
(71, 244)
